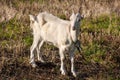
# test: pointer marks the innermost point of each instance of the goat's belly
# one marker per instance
(51, 42)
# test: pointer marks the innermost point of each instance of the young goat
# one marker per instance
(61, 33)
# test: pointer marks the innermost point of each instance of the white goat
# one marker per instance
(62, 33)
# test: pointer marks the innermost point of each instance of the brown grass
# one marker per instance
(100, 40)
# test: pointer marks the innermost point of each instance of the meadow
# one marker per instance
(99, 58)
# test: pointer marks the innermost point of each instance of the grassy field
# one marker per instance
(99, 58)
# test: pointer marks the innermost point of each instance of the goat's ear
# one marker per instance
(32, 18)
(71, 17)
(82, 16)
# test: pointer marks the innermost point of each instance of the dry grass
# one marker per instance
(100, 41)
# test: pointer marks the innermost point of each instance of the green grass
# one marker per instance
(100, 39)
(96, 32)
(91, 28)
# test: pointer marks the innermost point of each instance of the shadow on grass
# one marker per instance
(46, 65)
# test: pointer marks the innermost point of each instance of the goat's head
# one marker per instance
(75, 25)
(33, 21)
(75, 21)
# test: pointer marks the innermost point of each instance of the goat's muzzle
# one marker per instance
(78, 46)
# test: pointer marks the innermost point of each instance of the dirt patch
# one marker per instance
(15, 69)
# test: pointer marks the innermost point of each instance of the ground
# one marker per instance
(14, 68)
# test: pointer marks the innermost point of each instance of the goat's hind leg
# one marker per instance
(32, 49)
(38, 52)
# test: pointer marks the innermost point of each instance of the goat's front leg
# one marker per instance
(72, 62)
(62, 57)
(38, 52)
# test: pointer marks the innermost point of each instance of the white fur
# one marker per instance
(61, 33)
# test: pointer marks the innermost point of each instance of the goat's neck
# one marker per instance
(73, 35)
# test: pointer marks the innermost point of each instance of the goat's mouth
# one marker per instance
(73, 28)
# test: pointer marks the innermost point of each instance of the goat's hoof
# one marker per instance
(41, 61)
(33, 65)
(63, 73)
(74, 74)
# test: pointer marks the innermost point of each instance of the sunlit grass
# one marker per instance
(99, 37)
(94, 36)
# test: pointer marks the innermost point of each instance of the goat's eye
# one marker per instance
(78, 20)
